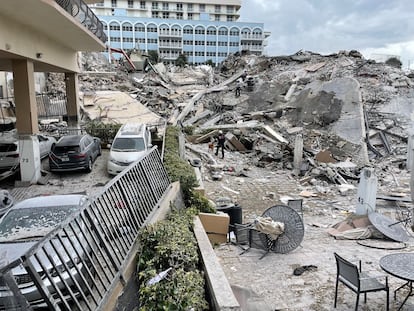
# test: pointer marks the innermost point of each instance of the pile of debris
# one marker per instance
(321, 116)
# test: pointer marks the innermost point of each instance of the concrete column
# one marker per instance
(412, 191)
(72, 94)
(367, 192)
(26, 120)
(30, 163)
(410, 152)
(24, 95)
(298, 154)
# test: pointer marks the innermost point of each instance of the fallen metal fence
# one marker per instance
(77, 265)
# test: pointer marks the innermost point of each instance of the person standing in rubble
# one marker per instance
(239, 86)
(244, 75)
(220, 139)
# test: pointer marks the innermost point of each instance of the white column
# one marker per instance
(410, 151)
(367, 192)
(30, 163)
(298, 154)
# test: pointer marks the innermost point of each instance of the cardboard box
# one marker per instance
(216, 226)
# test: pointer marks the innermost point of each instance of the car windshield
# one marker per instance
(32, 223)
(132, 144)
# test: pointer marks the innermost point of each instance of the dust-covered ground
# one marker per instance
(269, 283)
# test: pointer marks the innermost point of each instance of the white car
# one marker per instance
(132, 142)
(9, 148)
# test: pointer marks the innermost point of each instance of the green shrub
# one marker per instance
(171, 244)
(201, 203)
(178, 169)
(189, 130)
(105, 131)
(183, 291)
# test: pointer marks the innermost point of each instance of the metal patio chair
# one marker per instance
(359, 282)
(297, 205)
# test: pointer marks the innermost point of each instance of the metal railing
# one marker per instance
(51, 105)
(254, 36)
(83, 13)
(48, 105)
(77, 265)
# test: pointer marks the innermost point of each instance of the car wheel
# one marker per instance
(89, 167)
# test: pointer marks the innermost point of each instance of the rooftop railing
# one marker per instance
(81, 11)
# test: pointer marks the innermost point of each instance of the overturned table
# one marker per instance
(289, 238)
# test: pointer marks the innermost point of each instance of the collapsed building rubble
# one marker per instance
(320, 117)
(282, 124)
(324, 117)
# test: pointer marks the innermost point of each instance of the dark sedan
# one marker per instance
(74, 152)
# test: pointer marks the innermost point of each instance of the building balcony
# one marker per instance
(252, 48)
(167, 57)
(170, 46)
(83, 13)
(169, 34)
(252, 37)
(60, 28)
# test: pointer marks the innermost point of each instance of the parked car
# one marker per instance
(23, 226)
(130, 143)
(74, 152)
(10, 149)
(6, 201)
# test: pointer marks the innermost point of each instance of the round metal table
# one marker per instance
(390, 228)
(400, 265)
(294, 228)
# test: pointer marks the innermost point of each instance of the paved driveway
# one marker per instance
(68, 182)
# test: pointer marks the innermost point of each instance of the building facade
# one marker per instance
(203, 31)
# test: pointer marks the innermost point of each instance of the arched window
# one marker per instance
(211, 31)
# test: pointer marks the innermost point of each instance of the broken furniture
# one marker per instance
(401, 266)
(402, 204)
(280, 230)
(388, 227)
(359, 282)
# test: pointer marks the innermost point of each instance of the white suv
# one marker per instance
(131, 142)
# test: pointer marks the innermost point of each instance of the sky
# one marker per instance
(329, 26)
